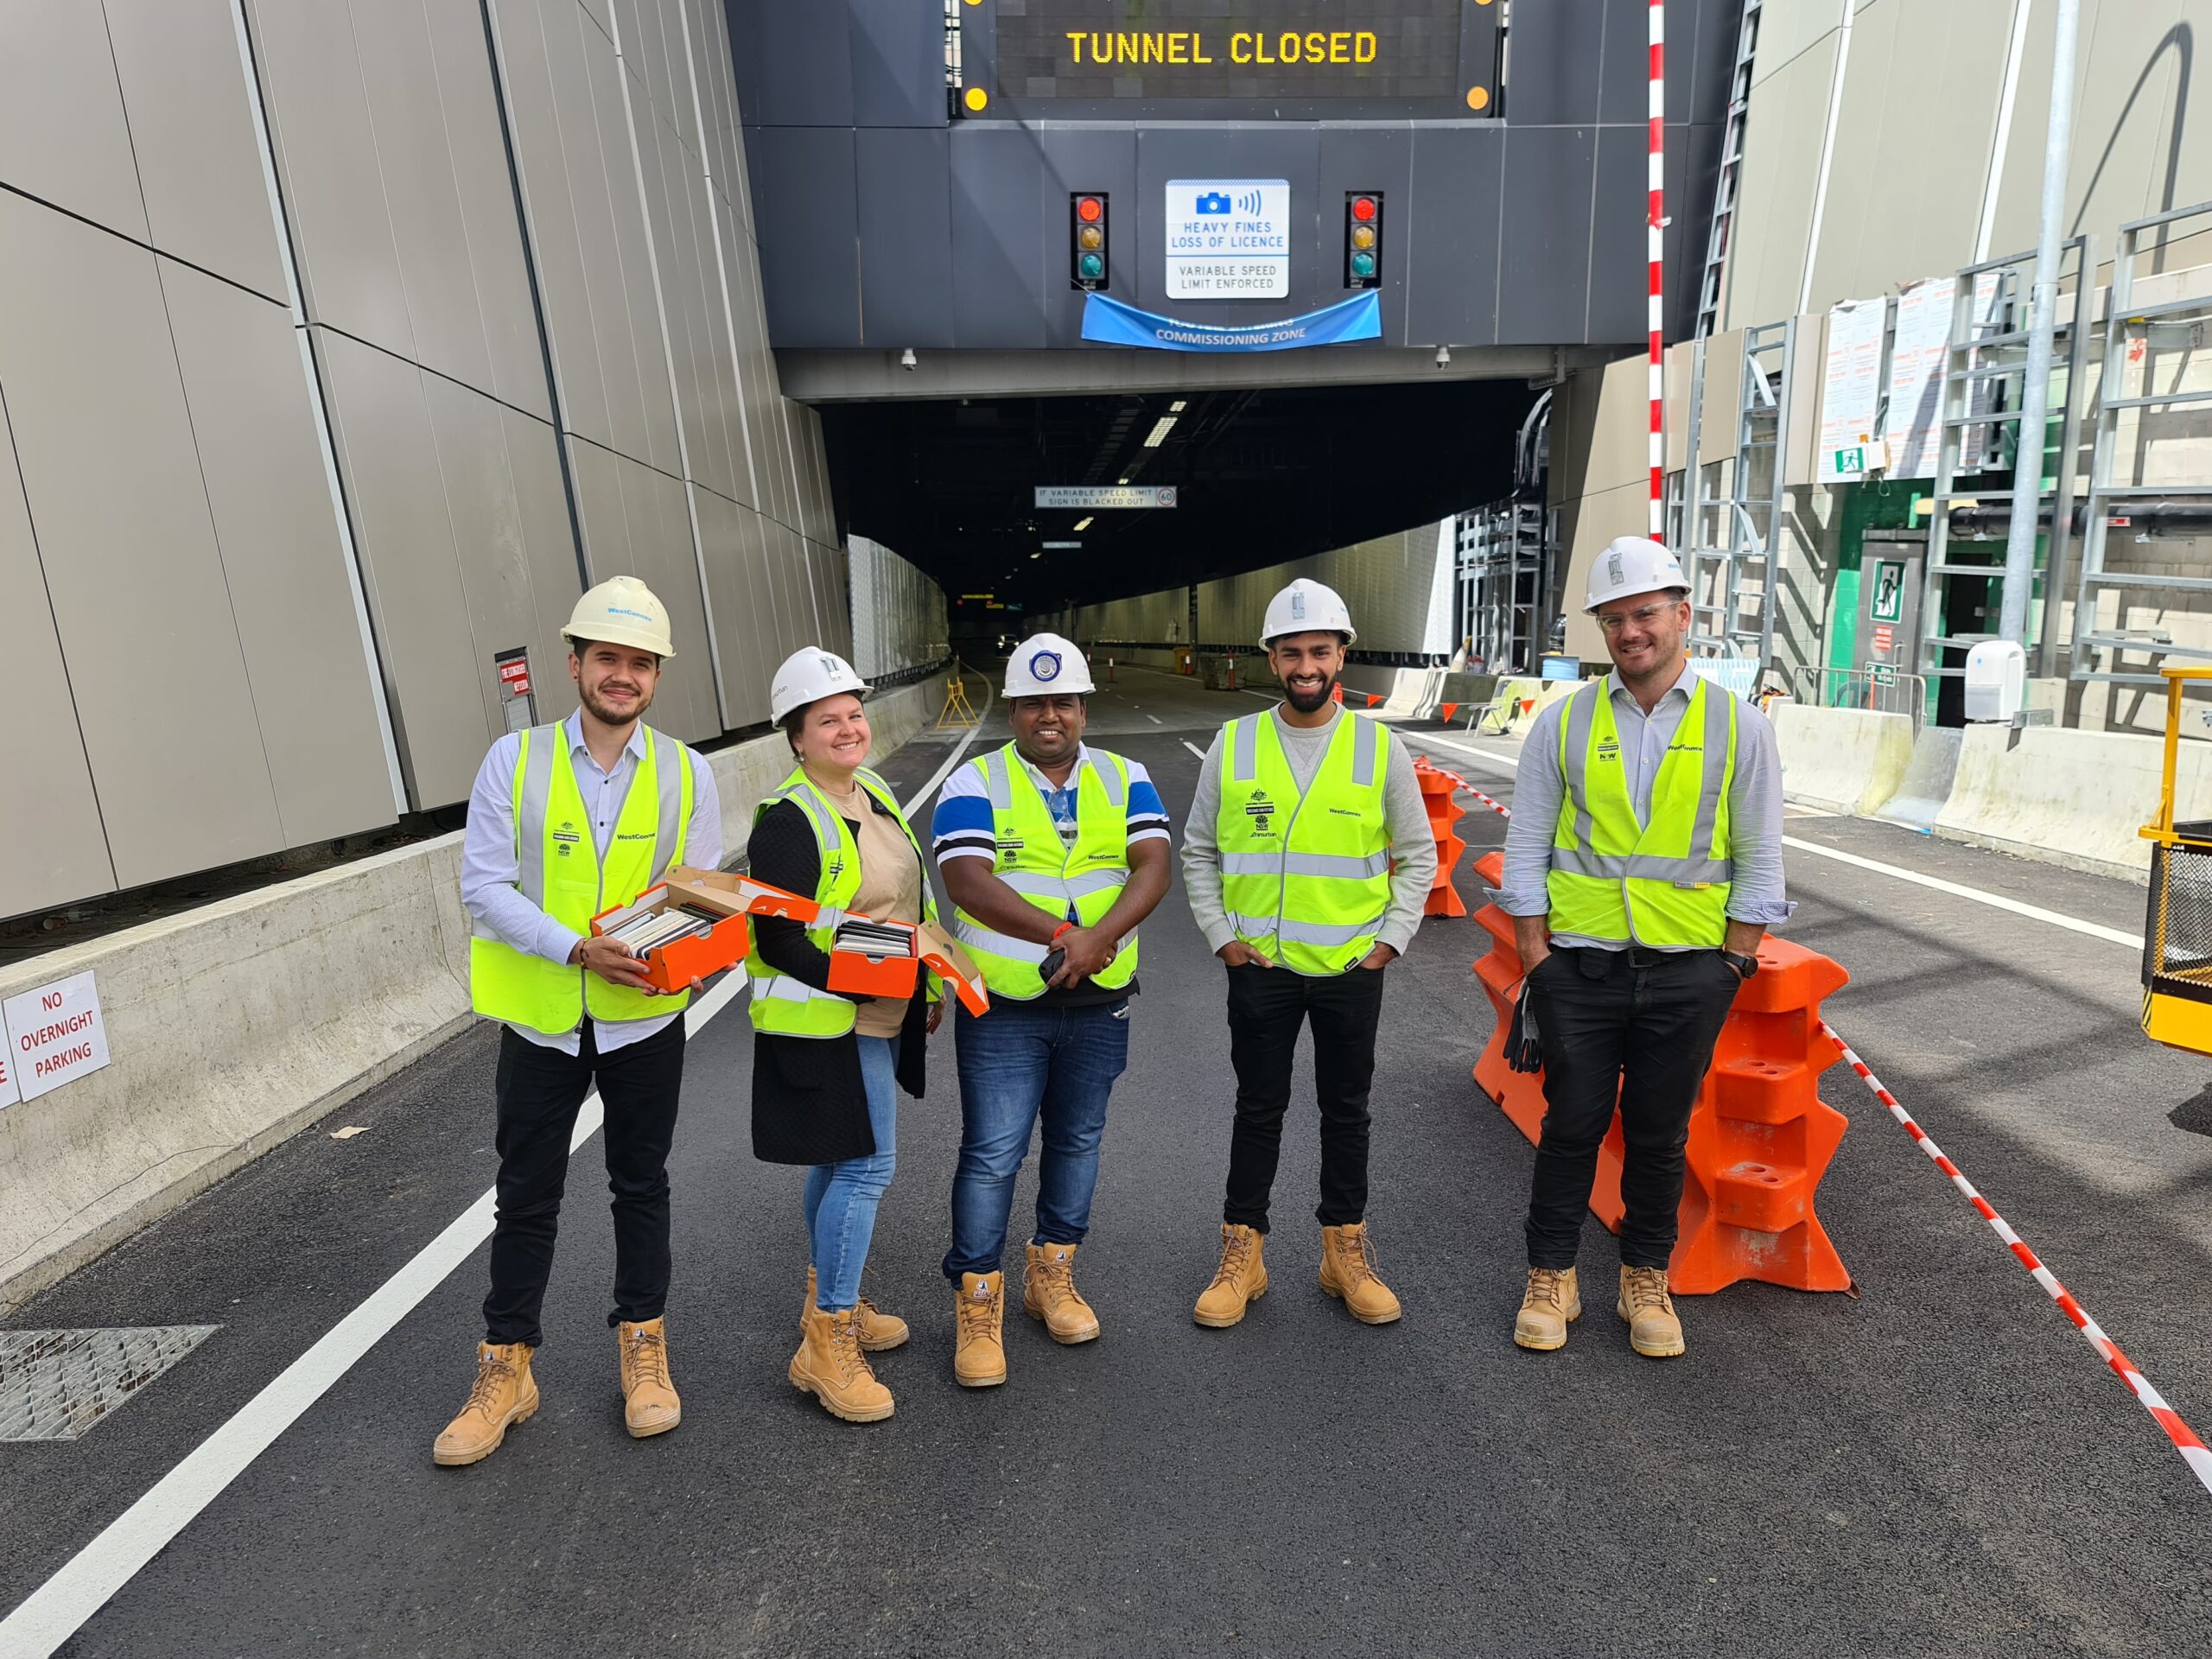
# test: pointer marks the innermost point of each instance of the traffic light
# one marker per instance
(1087, 252)
(1363, 238)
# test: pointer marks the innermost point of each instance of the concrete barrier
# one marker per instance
(233, 1026)
(1845, 759)
(2069, 797)
(1927, 782)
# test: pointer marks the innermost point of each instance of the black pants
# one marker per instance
(539, 1091)
(1265, 1007)
(1638, 1027)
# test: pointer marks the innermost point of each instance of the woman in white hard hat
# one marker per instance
(827, 1066)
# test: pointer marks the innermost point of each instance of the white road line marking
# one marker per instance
(59, 1607)
(1957, 890)
(1995, 900)
(1505, 763)
(1155, 720)
(1194, 748)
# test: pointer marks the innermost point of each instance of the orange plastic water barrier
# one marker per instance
(1436, 789)
(1760, 1136)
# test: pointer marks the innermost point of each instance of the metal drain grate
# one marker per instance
(60, 1385)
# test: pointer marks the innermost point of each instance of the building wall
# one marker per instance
(898, 614)
(257, 572)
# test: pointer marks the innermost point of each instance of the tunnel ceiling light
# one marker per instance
(1160, 429)
(1083, 524)
(1178, 406)
(1125, 480)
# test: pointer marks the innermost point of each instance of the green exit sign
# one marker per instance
(1885, 673)
(1852, 460)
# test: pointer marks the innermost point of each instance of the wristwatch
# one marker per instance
(1744, 966)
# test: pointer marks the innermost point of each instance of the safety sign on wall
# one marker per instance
(1227, 238)
(55, 1035)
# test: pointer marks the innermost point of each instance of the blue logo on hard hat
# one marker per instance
(1298, 607)
(1045, 665)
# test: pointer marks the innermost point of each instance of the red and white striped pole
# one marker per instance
(1654, 236)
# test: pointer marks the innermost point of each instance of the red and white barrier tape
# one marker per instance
(2193, 1450)
(1654, 236)
(1457, 782)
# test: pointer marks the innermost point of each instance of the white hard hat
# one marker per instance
(1045, 665)
(808, 676)
(1633, 564)
(623, 612)
(1306, 606)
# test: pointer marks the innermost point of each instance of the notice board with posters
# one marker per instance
(1220, 59)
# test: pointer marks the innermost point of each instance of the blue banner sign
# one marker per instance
(1112, 323)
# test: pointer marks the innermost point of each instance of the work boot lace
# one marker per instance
(493, 1373)
(976, 1316)
(1647, 1289)
(1357, 1249)
(649, 1357)
(845, 1345)
(1236, 1258)
(1054, 1278)
(1545, 1285)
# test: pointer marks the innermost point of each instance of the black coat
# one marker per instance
(809, 1104)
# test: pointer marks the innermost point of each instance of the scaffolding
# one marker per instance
(2142, 338)
(1504, 553)
(1712, 280)
(1734, 564)
(1979, 395)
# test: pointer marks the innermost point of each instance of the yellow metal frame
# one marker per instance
(2177, 1021)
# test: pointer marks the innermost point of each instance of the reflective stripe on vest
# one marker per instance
(1662, 883)
(560, 871)
(1304, 878)
(784, 1006)
(1059, 879)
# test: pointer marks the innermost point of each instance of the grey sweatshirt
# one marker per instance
(1413, 846)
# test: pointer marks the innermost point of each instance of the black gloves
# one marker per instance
(1523, 1052)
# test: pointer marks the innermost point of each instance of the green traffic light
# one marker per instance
(1363, 264)
(1092, 265)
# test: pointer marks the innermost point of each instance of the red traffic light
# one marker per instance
(1090, 209)
(1362, 208)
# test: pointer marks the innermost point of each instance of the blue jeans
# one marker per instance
(1017, 1063)
(842, 1199)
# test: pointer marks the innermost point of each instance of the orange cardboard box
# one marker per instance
(865, 974)
(675, 965)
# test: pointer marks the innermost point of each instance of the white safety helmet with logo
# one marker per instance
(1045, 665)
(1632, 565)
(622, 611)
(1306, 606)
(808, 676)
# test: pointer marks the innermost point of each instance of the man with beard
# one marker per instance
(566, 821)
(1052, 854)
(1307, 858)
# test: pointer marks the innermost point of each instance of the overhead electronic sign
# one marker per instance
(1412, 57)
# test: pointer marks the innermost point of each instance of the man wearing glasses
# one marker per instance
(1642, 866)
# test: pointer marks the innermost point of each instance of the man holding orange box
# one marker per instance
(565, 822)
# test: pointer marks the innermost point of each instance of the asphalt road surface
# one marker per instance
(1940, 1466)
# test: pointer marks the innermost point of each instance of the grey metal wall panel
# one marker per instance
(997, 227)
(1545, 234)
(807, 192)
(898, 63)
(113, 486)
(62, 134)
(1453, 234)
(541, 142)
(1367, 158)
(723, 554)
(404, 535)
(1618, 250)
(326, 155)
(806, 53)
(399, 75)
(283, 564)
(486, 188)
(664, 558)
(606, 184)
(599, 504)
(57, 849)
(646, 52)
(1692, 174)
(550, 543)
(906, 252)
(659, 448)
(1094, 158)
(742, 25)
(192, 132)
(1223, 152)
(714, 365)
(1557, 53)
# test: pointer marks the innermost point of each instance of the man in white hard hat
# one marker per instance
(1308, 859)
(1642, 866)
(1052, 853)
(568, 821)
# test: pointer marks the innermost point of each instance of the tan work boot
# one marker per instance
(1653, 1329)
(1048, 1293)
(830, 1366)
(1240, 1281)
(1348, 1273)
(879, 1330)
(1553, 1301)
(504, 1394)
(649, 1403)
(979, 1344)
